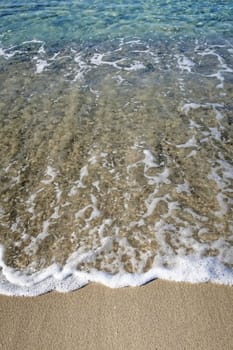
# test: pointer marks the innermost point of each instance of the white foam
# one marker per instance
(151, 204)
(215, 133)
(195, 215)
(30, 203)
(194, 125)
(7, 54)
(96, 185)
(187, 106)
(193, 268)
(83, 67)
(15, 225)
(218, 75)
(119, 79)
(193, 153)
(41, 49)
(36, 41)
(50, 172)
(55, 214)
(185, 187)
(214, 106)
(67, 278)
(98, 59)
(95, 211)
(136, 65)
(222, 174)
(162, 178)
(149, 160)
(31, 249)
(79, 183)
(2, 212)
(185, 63)
(226, 167)
(222, 66)
(190, 143)
(41, 65)
(219, 115)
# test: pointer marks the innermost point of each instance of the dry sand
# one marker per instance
(159, 315)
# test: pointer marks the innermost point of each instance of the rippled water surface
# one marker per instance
(116, 129)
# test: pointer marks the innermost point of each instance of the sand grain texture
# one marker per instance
(160, 315)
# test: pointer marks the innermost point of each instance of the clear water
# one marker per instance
(61, 22)
(115, 143)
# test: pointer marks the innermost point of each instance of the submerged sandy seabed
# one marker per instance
(117, 158)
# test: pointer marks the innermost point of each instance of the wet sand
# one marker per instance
(159, 315)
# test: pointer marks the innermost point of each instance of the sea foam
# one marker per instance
(67, 278)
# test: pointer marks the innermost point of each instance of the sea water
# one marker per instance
(116, 143)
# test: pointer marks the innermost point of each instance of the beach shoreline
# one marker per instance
(158, 315)
(116, 132)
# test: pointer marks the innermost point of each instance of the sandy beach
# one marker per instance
(116, 169)
(159, 315)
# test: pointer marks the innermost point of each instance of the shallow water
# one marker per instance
(116, 143)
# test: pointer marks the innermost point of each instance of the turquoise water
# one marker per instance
(59, 22)
(116, 129)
